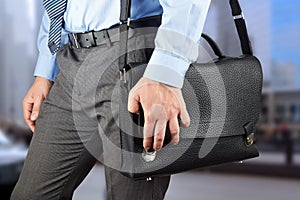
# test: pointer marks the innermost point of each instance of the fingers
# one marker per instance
(31, 125)
(158, 129)
(155, 125)
(133, 103)
(174, 129)
(159, 134)
(148, 132)
(31, 109)
(27, 109)
(162, 104)
(33, 100)
(36, 108)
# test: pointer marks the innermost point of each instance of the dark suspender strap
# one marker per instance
(241, 27)
(125, 10)
(123, 46)
(124, 20)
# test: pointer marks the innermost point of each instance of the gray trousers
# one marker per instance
(67, 143)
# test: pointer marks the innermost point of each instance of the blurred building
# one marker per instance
(281, 96)
(19, 26)
(2, 10)
(220, 25)
(274, 31)
(284, 76)
(273, 27)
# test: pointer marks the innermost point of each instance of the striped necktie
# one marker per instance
(55, 10)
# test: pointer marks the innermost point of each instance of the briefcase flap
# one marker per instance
(222, 97)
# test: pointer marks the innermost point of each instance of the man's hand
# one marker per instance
(162, 104)
(33, 100)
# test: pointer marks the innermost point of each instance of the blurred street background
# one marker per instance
(274, 29)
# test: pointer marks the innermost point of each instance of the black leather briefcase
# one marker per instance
(223, 99)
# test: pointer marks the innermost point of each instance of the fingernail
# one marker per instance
(175, 141)
(157, 147)
(33, 117)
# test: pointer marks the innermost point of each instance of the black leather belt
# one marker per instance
(108, 36)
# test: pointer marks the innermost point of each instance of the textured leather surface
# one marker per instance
(223, 99)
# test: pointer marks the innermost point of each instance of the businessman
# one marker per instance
(76, 39)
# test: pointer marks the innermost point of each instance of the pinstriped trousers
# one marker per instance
(66, 143)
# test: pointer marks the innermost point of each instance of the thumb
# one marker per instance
(133, 103)
(36, 108)
(184, 117)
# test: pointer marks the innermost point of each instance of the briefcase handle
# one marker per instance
(213, 45)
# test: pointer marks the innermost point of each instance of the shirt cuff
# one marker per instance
(167, 68)
(46, 67)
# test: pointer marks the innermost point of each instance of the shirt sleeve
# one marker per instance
(46, 65)
(176, 42)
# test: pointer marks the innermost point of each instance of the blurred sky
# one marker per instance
(285, 28)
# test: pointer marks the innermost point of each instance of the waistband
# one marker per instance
(110, 35)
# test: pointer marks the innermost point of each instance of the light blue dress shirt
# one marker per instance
(176, 43)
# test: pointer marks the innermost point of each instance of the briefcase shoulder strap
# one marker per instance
(241, 28)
